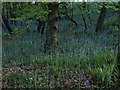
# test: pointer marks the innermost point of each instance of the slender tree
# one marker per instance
(5, 21)
(82, 11)
(41, 26)
(12, 10)
(52, 32)
(101, 18)
(89, 14)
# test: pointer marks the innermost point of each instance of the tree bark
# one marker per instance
(85, 25)
(68, 17)
(83, 8)
(12, 10)
(7, 24)
(52, 32)
(101, 18)
(42, 29)
(89, 16)
(41, 26)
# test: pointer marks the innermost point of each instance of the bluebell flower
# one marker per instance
(52, 76)
(33, 55)
(109, 77)
(50, 66)
(60, 70)
(48, 71)
(86, 83)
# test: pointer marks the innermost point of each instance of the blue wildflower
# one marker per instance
(60, 70)
(109, 77)
(86, 83)
(52, 76)
(50, 66)
(33, 55)
(48, 71)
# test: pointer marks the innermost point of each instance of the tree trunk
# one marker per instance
(101, 18)
(85, 25)
(89, 15)
(67, 16)
(83, 8)
(52, 32)
(12, 10)
(42, 29)
(71, 19)
(39, 26)
(7, 24)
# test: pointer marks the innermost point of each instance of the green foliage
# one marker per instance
(27, 12)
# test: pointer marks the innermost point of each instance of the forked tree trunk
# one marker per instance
(101, 18)
(52, 32)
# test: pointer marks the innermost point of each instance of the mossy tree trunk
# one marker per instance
(52, 31)
(100, 22)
